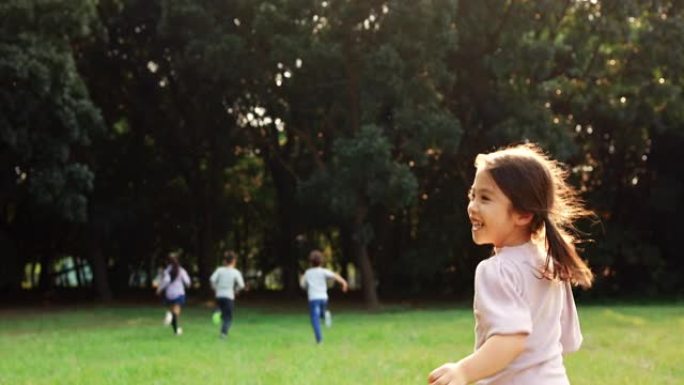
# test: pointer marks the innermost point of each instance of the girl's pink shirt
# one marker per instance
(511, 298)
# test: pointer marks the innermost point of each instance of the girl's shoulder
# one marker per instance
(501, 268)
(525, 255)
(515, 265)
(495, 265)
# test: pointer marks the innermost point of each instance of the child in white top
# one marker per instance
(174, 281)
(315, 281)
(524, 309)
(226, 282)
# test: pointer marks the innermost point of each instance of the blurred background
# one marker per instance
(134, 128)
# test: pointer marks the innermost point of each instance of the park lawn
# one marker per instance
(128, 345)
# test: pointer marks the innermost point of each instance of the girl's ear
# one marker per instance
(523, 218)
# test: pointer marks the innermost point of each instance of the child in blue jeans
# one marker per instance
(315, 282)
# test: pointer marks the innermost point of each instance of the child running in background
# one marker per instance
(315, 282)
(525, 314)
(226, 282)
(173, 283)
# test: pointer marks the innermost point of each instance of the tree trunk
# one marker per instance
(360, 245)
(34, 275)
(347, 249)
(237, 239)
(78, 271)
(245, 233)
(12, 269)
(383, 248)
(209, 186)
(99, 265)
(287, 251)
(205, 255)
(285, 186)
(46, 279)
(151, 268)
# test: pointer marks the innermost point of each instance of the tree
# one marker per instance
(46, 118)
(362, 174)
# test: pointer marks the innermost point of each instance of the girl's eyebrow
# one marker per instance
(482, 190)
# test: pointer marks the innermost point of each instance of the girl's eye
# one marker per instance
(485, 198)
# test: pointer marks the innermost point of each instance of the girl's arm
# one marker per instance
(493, 356)
(186, 278)
(163, 283)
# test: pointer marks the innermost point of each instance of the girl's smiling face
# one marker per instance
(493, 219)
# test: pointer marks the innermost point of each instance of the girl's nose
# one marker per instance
(471, 207)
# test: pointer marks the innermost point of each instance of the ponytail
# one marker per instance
(562, 260)
(175, 267)
(174, 272)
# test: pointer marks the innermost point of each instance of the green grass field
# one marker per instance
(128, 345)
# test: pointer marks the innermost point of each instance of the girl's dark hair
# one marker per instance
(316, 258)
(175, 266)
(536, 184)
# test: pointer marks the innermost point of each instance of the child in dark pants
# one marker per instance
(226, 282)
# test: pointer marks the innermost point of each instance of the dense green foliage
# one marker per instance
(129, 128)
(46, 118)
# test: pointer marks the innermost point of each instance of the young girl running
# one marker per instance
(525, 315)
(174, 281)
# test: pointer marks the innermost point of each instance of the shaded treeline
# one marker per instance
(130, 128)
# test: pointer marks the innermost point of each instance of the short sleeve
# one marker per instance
(165, 281)
(185, 277)
(499, 305)
(240, 281)
(571, 335)
(328, 273)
